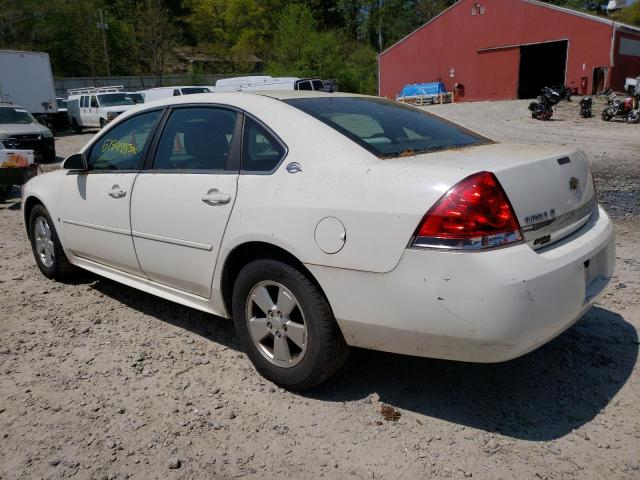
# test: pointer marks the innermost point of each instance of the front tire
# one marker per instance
(76, 128)
(286, 325)
(606, 115)
(46, 246)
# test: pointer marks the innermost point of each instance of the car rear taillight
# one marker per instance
(474, 214)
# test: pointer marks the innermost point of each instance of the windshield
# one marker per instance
(11, 115)
(136, 97)
(114, 99)
(386, 128)
(190, 90)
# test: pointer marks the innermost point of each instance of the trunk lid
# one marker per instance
(550, 187)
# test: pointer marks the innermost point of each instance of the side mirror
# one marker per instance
(76, 161)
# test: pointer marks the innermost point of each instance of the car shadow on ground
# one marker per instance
(540, 396)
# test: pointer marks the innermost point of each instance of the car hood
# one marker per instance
(21, 128)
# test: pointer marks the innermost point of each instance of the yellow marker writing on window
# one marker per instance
(123, 148)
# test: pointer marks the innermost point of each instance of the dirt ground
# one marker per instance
(101, 381)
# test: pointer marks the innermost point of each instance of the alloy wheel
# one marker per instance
(44, 242)
(276, 324)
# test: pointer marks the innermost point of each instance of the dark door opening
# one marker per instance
(599, 76)
(541, 65)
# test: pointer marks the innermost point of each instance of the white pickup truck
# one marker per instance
(632, 85)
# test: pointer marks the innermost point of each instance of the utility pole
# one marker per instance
(104, 26)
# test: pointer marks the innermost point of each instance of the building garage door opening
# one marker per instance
(541, 65)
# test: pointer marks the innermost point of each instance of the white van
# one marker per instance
(265, 82)
(164, 92)
(95, 107)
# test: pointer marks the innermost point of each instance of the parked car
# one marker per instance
(21, 131)
(265, 82)
(59, 120)
(136, 97)
(95, 107)
(166, 92)
(16, 168)
(319, 222)
(631, 85)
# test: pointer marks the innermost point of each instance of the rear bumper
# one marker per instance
(487, 306)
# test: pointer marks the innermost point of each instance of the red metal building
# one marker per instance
(507, 49)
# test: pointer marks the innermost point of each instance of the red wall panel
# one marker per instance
(483, 52)
(625, 65)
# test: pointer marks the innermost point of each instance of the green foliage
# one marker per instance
(630, 14)
(300, 49)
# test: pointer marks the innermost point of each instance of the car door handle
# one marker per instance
(117, 192)
(214, 197)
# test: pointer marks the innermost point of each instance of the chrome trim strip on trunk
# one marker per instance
(549, 231)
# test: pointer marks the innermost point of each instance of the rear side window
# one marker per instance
(196, 139)
(385, 128)
(261, 152)
(121, 148)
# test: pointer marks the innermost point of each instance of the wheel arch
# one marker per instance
(29, 203)
(247, 252)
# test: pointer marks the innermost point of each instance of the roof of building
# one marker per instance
(586, 16)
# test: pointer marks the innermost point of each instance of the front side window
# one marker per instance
(306, 85)
(94, 102)
(385, 128)
(261, 152)
(176, 92)
(197, 138)
(121, 148)
(318, 84)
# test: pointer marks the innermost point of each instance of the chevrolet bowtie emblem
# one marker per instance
(574, 183)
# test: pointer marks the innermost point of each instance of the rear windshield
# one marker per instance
(386, 128)
(10, 115)
(190, 90)
(114, 99)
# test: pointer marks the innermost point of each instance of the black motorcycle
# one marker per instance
(564, 92)
(543, 108)
(585, 107)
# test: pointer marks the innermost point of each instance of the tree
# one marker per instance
(154, 37)
(629, 15)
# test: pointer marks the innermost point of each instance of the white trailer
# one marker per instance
(26, 80)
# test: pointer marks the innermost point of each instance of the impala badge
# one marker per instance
(574, 183)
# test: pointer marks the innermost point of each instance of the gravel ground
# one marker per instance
(98, 380)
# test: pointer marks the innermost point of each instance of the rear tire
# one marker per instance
(46, 246)
(103, 122)
(310, 347)
(4, 192)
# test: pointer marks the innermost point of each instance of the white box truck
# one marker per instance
(26, 80)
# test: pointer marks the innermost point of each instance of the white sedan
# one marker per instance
(319, 222)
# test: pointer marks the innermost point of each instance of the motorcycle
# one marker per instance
(626, 109)
(543, 109)
(564, 92)
(585, 107)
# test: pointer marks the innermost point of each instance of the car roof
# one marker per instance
(291, 94)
